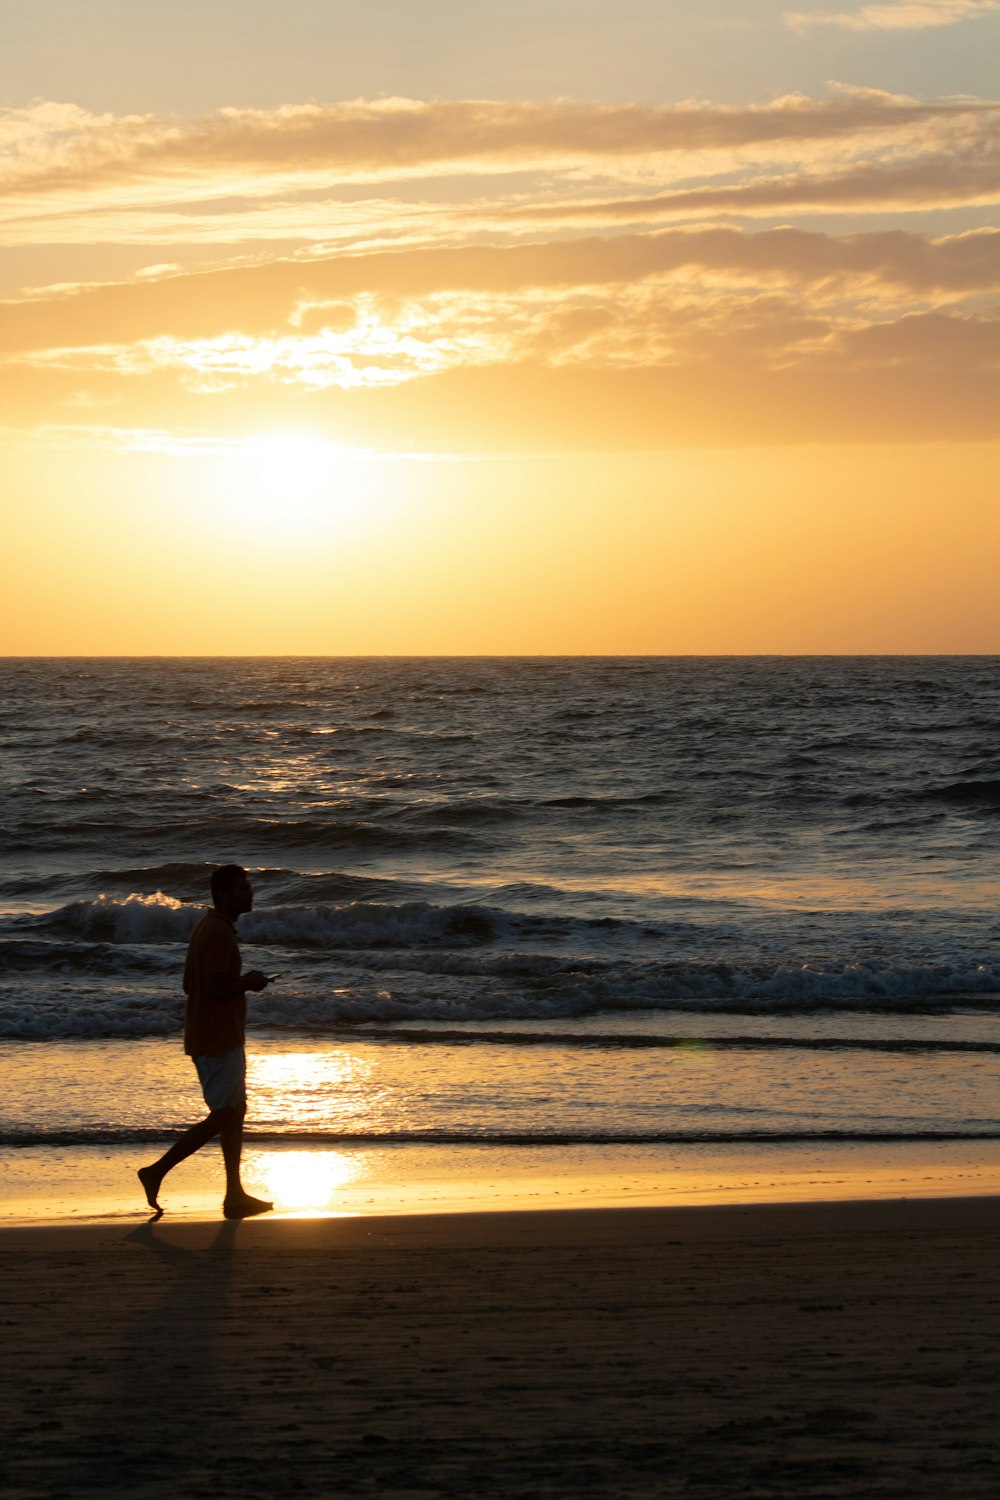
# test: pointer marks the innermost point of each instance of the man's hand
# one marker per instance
(254, 980)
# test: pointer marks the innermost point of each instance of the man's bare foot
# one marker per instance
(242, 1206)
(151, 1179)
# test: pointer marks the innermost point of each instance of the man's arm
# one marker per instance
(220, 986)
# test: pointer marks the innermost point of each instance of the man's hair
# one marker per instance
(223, 880)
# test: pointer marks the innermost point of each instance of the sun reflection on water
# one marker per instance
(304, 1181)
(330, 1088)
(302, 1072)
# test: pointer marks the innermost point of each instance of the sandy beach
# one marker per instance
(799, 1349)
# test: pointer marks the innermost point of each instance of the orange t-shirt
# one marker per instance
(212, 1025)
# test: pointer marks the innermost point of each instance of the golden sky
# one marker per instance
(609, 330)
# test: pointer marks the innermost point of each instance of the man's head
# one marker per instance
(232, 893)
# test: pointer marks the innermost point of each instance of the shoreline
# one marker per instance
(522, 1225)
(40, 1185)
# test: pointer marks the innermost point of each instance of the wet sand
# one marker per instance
(81, 1184)
(843, 1349)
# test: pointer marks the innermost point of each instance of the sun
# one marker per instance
(289, 484)
(292, 465)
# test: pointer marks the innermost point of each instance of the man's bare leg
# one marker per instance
(191, 1141)
(238, 1203)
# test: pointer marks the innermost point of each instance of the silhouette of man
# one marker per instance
(214, 1036)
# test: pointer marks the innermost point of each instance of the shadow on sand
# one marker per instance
(162, 1388)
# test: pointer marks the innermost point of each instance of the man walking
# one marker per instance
(214, 1036)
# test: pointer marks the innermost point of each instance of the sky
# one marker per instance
(550, 327)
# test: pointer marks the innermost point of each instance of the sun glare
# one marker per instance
(289, 485)
(303, 1182)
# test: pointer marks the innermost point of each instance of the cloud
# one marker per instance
(302, 296)
(532, 405)
(367, 173)
(652, 327)
(456, 253)
(966, 177)
(936, 341)
(898, 15)
(51, 147)
(681, 337)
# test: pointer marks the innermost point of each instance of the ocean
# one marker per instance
(569, 916)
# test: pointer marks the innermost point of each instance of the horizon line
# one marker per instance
(506, 656)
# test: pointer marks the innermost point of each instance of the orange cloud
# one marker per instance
(346, 173)
(964, 177)
(647, 369)
(649, 339)
(288, 296)
(49, 147)
(936, 340)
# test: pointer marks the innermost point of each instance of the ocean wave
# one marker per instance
(82, 1017)
(189, 873)
(559, 998)
(609, 802)
(596, 962)
(27, 956)
(348, 913)
(133, 919)
(79, 1007)
(465, 810)
(394, 957)
(415, 924)
(974, 793)
(325, 833)
(337, 732)
(497, 809)
(686, 1042)
(325, 886)
(224, 829)
(138, 919)
(189, 880)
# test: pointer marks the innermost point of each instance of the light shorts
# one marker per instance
(223, 1079)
